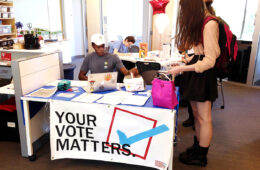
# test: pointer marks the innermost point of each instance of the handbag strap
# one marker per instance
(165, 75)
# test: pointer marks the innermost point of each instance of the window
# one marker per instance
(249, 25)
(122, 18)
(239, 14)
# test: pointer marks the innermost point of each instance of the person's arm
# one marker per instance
(127, 72)
(84, 69)
(186, 58)
(82, 75)
(124, 71)
(211, 51)
(210, 47)
(179, 69)
(114, 46)
(121, 54)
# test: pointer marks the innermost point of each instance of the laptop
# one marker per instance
(101, 82)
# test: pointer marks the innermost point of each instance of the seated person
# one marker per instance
(121, 47)
(101, 61)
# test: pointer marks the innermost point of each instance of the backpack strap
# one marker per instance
(206, 20)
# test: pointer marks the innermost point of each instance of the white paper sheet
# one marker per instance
(43, 92)
(66, 95)
(114, 98)
(135, 100)
(87, 97)
(78, 83)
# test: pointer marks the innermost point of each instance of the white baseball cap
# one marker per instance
(98, 39)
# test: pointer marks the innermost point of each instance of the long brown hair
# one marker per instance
(210, 8)
(189, 23)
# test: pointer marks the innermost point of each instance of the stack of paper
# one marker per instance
(114, 98)
(87, 97)
(43, 92)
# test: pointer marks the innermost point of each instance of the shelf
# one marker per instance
(2, 35)
(10, 2)
(8, 21)
(7, 18)
(3, 40)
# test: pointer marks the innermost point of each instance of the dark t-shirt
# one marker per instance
(96, 64)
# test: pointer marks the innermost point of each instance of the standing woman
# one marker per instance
(199, 83)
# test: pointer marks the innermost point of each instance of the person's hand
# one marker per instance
(175, 64)
(134, 71)
(115, 51)
(184, 59)
(175, 70)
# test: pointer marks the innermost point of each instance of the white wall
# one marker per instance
(31, 11)
(54, 15)
(73, 26)
(36, 12)
(78, 28)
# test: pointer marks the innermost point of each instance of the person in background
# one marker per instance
(190, 121)
(100, 61)
(120, 47)
(199, 81)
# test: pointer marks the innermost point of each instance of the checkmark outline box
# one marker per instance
(135, 114)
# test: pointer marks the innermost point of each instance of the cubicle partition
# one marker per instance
(29, 74)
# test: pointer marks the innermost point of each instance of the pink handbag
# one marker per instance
(163, 93)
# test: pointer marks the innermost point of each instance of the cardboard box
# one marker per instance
(134, 84)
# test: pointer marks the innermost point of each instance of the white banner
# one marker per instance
(126, 134)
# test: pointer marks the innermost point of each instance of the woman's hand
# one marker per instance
(175, 70)
(184, 59)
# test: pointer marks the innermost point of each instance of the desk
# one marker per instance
(107, 118)
(7, 89)
(164, 62)
(64, 46)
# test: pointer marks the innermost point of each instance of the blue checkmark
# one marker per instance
(140, 136)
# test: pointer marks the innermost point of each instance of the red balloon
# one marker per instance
(159, 6)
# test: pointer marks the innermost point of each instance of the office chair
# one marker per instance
(148, 70)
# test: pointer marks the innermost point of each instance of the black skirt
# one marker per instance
(199, 87)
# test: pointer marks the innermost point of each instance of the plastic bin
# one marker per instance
(10, 15)
(7, 29)
(4, 9)
(69, 71)
(4, 15)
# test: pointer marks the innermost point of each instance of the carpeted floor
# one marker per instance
(235, 144)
